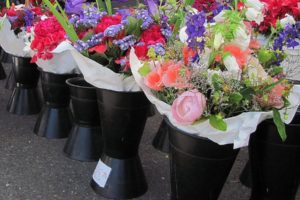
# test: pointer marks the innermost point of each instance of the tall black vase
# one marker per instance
(275, 165)
(161, 139)
(123, 116)
(2, 72)
(55, 120)
(10, 81)
(25, 98)
(84, 142)
(199, 167)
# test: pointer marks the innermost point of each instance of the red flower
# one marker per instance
(153, 35)
(141, 52)
(48, 34)
(106, 22)
(101, 48)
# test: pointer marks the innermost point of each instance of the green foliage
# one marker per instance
(235, 98)
(134, 26)
(217, 82)
(145, 69)
(217, 122)
(279, 124)
(264, 56)
(189, 2)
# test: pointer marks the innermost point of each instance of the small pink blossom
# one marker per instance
(188, 107)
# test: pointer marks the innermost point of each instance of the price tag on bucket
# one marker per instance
(101, 174)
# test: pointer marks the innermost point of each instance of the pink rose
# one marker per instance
(188, 107)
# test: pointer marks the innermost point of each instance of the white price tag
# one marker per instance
(101, 174)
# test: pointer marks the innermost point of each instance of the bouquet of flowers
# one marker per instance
(218, 82)
(100, 40)
(16, 22)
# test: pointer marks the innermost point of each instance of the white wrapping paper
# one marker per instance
(101, 76)
(62, 61)
(11, 43)
(239, 127)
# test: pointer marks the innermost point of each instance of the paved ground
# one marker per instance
(34, 168)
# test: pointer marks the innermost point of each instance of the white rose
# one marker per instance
(231, 64)
(287, 20)
(183, 36)
(242, 39)
(218, 41)
(254, 15)
(256, 4)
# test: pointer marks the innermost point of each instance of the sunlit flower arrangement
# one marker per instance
(220, 70)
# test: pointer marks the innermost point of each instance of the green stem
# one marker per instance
(100, 5)
(235, 4)
(108, 6)
(7, 4)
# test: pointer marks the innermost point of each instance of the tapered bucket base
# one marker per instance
(161, 139)
(2, 72)
(10, 81)
(24, 101)
(125, 181)
(53, 123)
(84, 143)
(245, 177)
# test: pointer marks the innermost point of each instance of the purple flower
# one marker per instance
(124, 13)
(125, 43)
(195, 31)
(147, 19)
(152, 7)
(113, 30)
(29, 17)
(74, 6)
(165, 27)
(158, 48)
(287, 37)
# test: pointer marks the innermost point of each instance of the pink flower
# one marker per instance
(188, 107)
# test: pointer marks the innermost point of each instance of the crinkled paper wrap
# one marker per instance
(101, 76)
(11, 43)
(62, 61)
(239, 127)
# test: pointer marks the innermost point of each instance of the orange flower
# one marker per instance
(240, 55)
(254, 44)
(153, 81)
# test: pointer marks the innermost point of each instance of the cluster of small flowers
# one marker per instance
(125, 42)
(196, 30)
(147, 19)
(29, 17)
(88, 18)
(288, 36)
(166, 28)
(93, 41)
(113, 30)
(158, 48)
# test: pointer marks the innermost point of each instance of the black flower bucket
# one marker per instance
(199, 167)
(25, 98)
(275, 165)
(84, 142)
(123, 116)
(161, 139)
(55, 119)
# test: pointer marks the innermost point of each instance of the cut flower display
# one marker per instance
(228, 82)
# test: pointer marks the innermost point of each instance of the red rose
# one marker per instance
(153, 35)
(106, 22)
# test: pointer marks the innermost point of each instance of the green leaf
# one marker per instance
(212, 57)
(217, 122)
(7, 3)
(271, 86)
(189, 2)
(216, 81)
(133, 26)
(145, 69)
(108, 7)
(235, 97)
(264, 56)
(279, 124)
(100, 5)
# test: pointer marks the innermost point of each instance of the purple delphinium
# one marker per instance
(195, 31)
(113, 30)
(152, 7)
(29, 17)
(88, 17)
(147, 19)
(287, 37)
(165, 27)
(126, 42)
(74, 6)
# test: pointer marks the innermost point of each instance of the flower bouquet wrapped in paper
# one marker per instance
(218, 82)
(15, 24)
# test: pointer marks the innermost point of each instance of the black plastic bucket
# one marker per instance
(275, 165)
(84, 142)
(161, 139)
(25, 98)
(199, 167)
(123, 116)
(55, 120)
